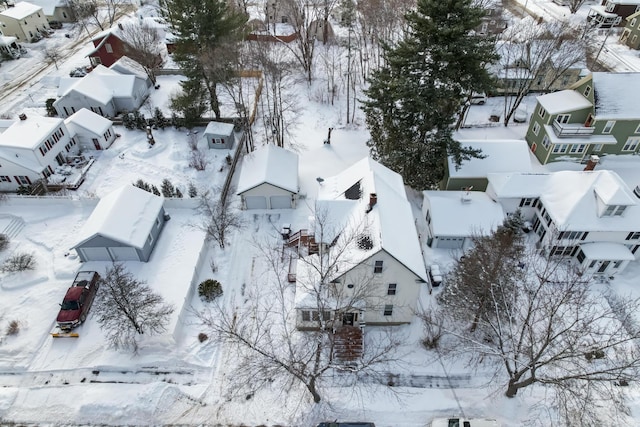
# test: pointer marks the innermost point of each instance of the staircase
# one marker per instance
(13, 225)
(302, 239)
(348, 344)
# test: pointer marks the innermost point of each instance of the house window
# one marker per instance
(637, 129)
(562, 250)
(218, 141)
(620, 210)
(306, 316)
(634, 38)
(633, 22)
(378, 267)
(634, 235)
(563, 118)
(392, 289)
(22, 180)
(108, 48)
(545, 142)
(609, 211)
(541, 112)
(581, 256)
(536, 128)
(635, 249)
(527, 201)
(631, 144)
(597, 148)
(150, 239)
(587, 91)
(428, 217)
(617, 264)
(5, 179)
(609, 126)
(560, 148)
(388, 310)
(577, 148)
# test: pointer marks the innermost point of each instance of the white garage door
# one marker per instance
(124, 254)
(256, 202)
(280, 202)
(96, 254)
(450, 242)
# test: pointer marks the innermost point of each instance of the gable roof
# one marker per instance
(269, 165)
(125, 215)
(389, 222)
(48, 6)
(126, 65)
(563, 101)
(462, 213)
(102, 84)
(501, 156)
(29, 133)
(21, 10)
(616, 95)
(88, 120)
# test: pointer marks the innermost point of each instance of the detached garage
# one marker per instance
(124, 226)
(269, 179)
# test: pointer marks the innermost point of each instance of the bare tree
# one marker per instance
(264, 329)
(127, 308)
(219, 216)
(574, 5)
(558, 332)
(114, 8)
(52, 54)
(86, 13)
(144, 45)
(532, 53)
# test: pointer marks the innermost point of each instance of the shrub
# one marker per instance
(128, 121)
(209, 290)
(51, 111)
(202, 337)
(158, 119)
(13, 328)
(4, 241)
(19, 262)
(193, 191)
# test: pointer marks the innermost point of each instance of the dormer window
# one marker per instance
(614, 210)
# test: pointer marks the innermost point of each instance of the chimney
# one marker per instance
(120, 26)
(591, 164)
(23, 116)
(373, 199)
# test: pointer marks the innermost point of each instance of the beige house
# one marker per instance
(24, 21)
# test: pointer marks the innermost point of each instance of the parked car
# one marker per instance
(78, 300)
(435, 275)
(56, 25)
(521, 114)
(346, 424)
(478, 98)
(464, 422)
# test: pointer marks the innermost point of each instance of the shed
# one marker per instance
(124, 226)
(269, 179)
(219, 135)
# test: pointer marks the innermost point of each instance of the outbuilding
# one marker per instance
(219, 135)
(269, 179)
(124, 226)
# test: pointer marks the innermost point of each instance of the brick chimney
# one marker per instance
(23, 117)
(591, 164)
(373, 199)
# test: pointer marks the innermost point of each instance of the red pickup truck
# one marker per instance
(77, 302)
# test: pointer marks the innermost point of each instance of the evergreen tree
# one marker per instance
(140, 184)
(139, 122)
(155, 190)
(193, 191)
(414, 98)
(178, 193)
(208, 34)
(159, 119)
(167, 188)
(127, 121)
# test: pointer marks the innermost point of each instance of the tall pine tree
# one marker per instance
(412, 101)
(208, 34)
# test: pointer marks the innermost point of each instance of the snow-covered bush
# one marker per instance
(209, 290)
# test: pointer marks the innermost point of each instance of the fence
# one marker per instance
(195, 280)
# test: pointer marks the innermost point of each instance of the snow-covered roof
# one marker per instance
(501, 156)
(607, 251)
(579, 139)
(389, 222)
(88, 120)
(600, 10)
(30, 132)
(125, 215)
(271, 165)
(563, 101)
(102, 84)
(462, 213)
(219, 128)
(571, 197)
(126, 65)
(625, 2)
(616, 95)
(5, 124)
(21, 10)
(48, 6)
(6, 40)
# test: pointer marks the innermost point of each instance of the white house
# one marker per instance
(219, 135)
(124, 226)
(92, 131)
(454, 217)
(24, 21)
(56, 10)
(589, 216)
(103, 91)
(364, 217)
(31, 149)
(126, 65)
(269, 179)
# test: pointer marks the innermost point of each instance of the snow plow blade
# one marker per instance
(62, 334)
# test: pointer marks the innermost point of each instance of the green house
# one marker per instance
(597, 115)
(631, 34)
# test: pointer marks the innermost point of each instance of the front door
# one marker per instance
(348, 319)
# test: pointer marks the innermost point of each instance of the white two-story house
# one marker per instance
(31, 149)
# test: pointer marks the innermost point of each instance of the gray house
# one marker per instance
(124, 226)
(219, 135)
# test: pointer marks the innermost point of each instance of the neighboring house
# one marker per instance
(597, 115)
(454, 217)
(9, 47)
(110, 45)
(500, 156)
(219, 135)
(363, 213)
(318, 28)
(281, 12)
(128, 66)
(612, 13)
(24, 21)
(124, 226)
(493, 23)
(591, 217)
(103, 91)
(269, 179)
(56, 10)
(92, 131)
(631, 34)
(31, 149)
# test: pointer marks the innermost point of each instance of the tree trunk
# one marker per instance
(512, 389)
(311, 386)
